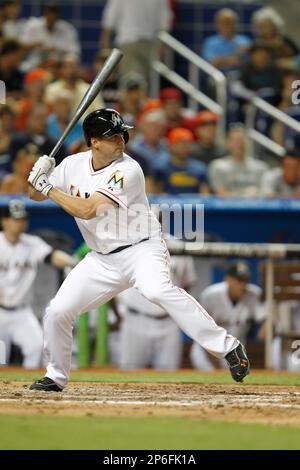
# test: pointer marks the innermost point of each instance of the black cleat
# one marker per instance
(239, 363)
(45, 385)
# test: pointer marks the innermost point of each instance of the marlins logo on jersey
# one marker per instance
(116, 181)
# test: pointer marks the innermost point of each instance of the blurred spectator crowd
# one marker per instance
(179, 151)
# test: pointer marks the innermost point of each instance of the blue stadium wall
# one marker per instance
(232, 220)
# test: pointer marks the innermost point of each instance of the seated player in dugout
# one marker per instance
(235, 304)
(20, 255)
(104, 189)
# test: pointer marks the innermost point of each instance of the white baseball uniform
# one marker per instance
(102, 275)
(235, 318)
(18, 268)
(149, 336)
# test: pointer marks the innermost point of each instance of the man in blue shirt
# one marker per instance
(181, 174)
(59, 120)
(151, 143)
(226, 49)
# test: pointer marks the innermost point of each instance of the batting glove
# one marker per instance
(46, 164)
(39, 180)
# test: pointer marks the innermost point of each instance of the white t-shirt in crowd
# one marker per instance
(273, 184)
(13, 29)
(137, 19)
(64, 38)
(18, 268)
(241, 178)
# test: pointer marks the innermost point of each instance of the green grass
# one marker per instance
(260, 378)
(140, 432)
(167, 433)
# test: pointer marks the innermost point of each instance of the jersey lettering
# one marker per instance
(74, 191)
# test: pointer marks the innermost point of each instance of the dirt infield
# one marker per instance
(242, 403)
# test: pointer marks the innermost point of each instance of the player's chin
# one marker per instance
(120, 150)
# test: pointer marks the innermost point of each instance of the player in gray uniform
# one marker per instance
(104, 189)
(20, 254)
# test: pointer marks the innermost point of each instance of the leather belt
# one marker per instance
(148, 315)
(121, 248)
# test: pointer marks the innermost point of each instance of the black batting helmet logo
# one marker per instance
(116, 120)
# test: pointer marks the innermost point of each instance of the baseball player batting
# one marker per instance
(104, 189)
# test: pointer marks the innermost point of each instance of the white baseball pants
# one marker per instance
(201, 361)
(98, 278)
(22, 328)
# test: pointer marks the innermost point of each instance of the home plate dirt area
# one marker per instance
(240, 403)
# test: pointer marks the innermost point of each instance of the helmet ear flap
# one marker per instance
(87, 138)
(126, 136)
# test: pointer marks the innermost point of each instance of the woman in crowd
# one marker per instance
(269, 28)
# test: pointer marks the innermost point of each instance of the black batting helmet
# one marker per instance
(104, 123)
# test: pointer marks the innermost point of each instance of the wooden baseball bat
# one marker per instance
(97, 85)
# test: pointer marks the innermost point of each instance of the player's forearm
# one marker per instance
(61, 260)
(78, 207)
(75, 206)
(35, 195)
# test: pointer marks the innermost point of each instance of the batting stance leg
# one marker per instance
(94, 281)
(150, 275)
